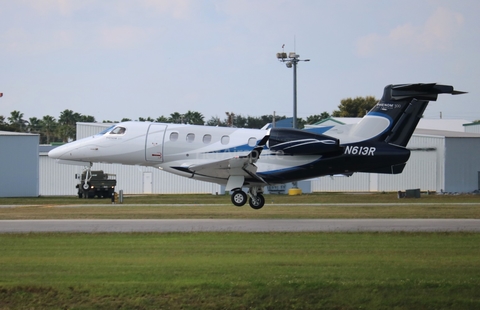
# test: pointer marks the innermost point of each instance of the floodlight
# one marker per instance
(291, 62)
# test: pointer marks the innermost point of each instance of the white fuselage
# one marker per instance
(174, 145)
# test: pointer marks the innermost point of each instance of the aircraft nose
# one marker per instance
(57, 152)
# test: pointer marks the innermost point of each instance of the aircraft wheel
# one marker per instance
(86, 186)
(257, 202)
(239, 198)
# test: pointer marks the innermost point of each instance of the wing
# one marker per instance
(234, 169)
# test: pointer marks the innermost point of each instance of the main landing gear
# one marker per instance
(255, 200)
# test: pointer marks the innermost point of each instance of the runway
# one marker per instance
(242, 225)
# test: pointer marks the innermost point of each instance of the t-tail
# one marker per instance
(394, 119)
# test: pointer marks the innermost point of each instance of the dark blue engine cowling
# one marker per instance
(299, 142)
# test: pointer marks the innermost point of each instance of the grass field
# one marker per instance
(272, 199)
(277, 207)
(241, 270)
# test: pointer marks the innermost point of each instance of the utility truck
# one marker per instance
(96, 183)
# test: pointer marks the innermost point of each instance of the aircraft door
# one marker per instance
(154, 143)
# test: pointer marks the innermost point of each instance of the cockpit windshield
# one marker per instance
(101, 133)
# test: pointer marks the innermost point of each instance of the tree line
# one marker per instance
(63, 129)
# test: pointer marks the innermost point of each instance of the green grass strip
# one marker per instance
(240, 271)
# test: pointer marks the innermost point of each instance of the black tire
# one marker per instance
(239, 198)
(257, 202)
(80, 194)
(91, 194)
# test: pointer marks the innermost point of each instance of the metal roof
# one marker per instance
(13, 133)
(445, 133)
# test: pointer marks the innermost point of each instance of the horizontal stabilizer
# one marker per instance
(418, 91)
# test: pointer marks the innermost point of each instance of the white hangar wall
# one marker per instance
(56, 179)
(59, 179)
(424, 170)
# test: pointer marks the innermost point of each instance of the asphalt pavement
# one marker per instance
(240, 225)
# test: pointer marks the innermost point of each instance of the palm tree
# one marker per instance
(176, 118)
(3, 125)
(193, 118)
(68, 122)
(161, 119)
(34, 125)
(16, 121)
(66, 131)
(86, 119)
(49, 126)
(215, 121)
(148, 119)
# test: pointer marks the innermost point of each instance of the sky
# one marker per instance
(115, 59)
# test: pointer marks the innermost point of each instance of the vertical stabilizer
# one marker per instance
(396, 116)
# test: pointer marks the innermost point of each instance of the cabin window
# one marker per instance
(252, 142)
(118, 131)
(207, 139)
(174, 136)
(225, 139)
(190, 137)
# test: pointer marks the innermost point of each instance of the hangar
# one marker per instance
(19, 166)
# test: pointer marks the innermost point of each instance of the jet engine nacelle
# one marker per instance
(299, 142)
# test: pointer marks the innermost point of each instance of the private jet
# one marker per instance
(254, 158)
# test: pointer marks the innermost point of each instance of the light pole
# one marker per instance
(291, 61)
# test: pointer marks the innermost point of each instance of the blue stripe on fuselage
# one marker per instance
(240, 148)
